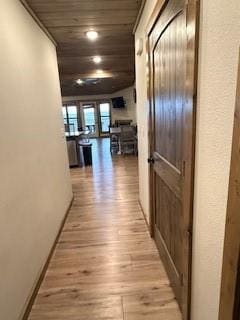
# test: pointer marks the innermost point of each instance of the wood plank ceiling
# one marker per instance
(69, 20)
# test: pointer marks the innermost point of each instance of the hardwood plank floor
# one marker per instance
(105, 265)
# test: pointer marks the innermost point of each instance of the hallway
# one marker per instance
(105, 265)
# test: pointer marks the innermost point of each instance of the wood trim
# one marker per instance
(159, 7)
(150, 138)
(139, 16)
(36, 19)
(144, 216)
(237, 294)
(193, 18)
(45, 267)
(72, 102)
(230, 270)
(193, 22)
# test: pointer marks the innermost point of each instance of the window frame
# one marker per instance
(100, 117)
(67, 118)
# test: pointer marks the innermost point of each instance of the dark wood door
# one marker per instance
(172, 91)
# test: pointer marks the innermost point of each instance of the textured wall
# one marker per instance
(219, 45)
(130, 111)
(35, 186)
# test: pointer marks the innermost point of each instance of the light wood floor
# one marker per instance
(105, 265)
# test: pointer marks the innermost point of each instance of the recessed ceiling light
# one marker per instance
(92, 35)
(97, 59)
(79, 81)
(99, 71)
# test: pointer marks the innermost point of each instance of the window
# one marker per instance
(89, 117)
(70, 118)
(104, 117)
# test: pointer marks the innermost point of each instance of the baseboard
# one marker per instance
(144, 216)
(44, 270)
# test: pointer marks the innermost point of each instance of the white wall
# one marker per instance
(35, 188)
(129, 112)
(143, 110)
(219, 44)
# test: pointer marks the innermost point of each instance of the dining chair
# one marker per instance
(120, 123)
(128, 139)
(114, 142)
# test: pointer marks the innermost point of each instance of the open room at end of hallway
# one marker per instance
(127, 111)
(98, 116)
(105, 266)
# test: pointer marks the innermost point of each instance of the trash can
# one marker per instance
(80, 156)
(87, 152)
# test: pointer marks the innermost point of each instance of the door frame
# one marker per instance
(104, 134)
(94, 104)
(72, 104)
(229, 296)
(193, 12)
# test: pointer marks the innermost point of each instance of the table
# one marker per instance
(74, 134)
(115, 130)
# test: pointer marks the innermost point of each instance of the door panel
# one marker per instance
(172, 92)
(169, 52)
(165, 108)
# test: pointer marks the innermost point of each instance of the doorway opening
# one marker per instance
(104, 118)
(89, 118)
